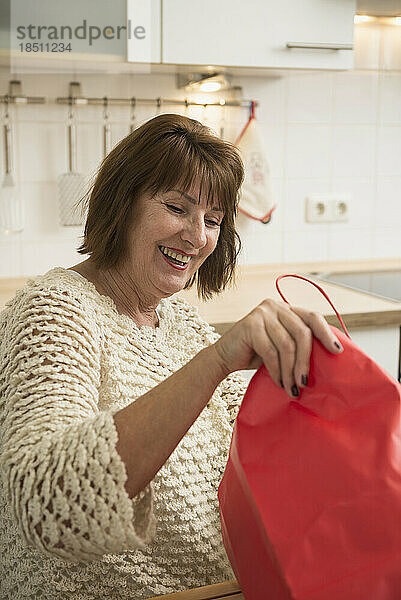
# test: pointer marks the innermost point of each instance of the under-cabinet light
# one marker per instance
(210, 86)
(362, 19)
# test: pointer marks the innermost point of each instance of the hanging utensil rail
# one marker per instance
(15, 95)
(22, 99)
(153, 101)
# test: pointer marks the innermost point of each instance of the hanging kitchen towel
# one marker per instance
(256, 200)
(310, 500)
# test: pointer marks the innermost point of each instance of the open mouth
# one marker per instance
(174, 257)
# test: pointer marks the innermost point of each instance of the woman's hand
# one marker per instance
(278, 336)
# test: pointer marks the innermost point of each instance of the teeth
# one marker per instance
(182, 258)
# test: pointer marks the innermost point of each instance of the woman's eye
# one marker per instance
(179, 211)
(175, 208)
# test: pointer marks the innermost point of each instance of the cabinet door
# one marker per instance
(143, 31)
(256, 33)
(382, 344)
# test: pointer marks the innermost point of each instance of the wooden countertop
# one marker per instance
(334, 266)
(254, 283)
(358, 309)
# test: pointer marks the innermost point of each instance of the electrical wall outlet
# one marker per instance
(340, 207)
(327, 208)
(317, 209)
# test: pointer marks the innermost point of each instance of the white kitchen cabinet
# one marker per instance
(144, 16)
(257, 33)
(382, 344)
(111, 53)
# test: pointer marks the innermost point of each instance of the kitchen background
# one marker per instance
(324, 131)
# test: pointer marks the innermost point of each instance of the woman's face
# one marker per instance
(171, 222)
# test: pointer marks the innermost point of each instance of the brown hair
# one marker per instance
(167, 152)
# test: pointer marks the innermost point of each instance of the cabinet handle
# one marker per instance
(317, 46)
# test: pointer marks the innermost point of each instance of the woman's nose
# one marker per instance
(195, 233)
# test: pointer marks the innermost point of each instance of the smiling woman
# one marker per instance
(117, 401)
(174, 158)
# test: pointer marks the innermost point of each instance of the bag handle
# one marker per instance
(320, 290)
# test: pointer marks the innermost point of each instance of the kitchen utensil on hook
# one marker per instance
(222, 119)
(158, 105)
(204, 116)
(12, 214)
(70, 185)
(132, 120)
(106, 130)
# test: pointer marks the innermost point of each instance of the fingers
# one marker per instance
(285, 344)
(267, 350)
(301, 337)
(320, 329)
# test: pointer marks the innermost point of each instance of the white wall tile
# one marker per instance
(308, 151)
(262, 248)
(306, 246)
(355, 97)
(389, 151)
(152, 85)
(42, 151)
(270, 92)
(354, 148)
(10, 255)
(386, 243)
(41, 210)
(310, 98)
(390, 98)
(388, 203)
(350, 244)
(38, 257)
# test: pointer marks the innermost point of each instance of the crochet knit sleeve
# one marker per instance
(232, 389)
(62, 475)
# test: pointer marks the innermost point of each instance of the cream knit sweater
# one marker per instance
(68, 530)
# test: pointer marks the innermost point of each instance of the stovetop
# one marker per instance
(383, 284)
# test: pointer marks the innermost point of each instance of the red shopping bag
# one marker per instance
(310, 500)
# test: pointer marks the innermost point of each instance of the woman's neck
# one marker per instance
(123, 293)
